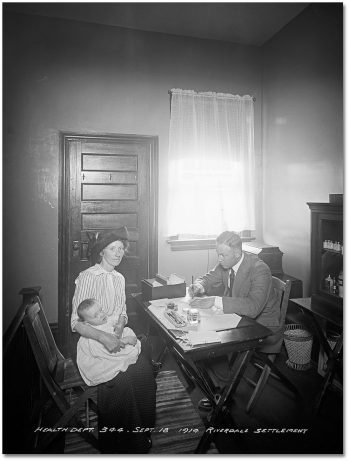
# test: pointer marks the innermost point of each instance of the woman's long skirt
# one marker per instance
(127, 409)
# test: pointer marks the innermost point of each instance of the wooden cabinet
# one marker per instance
(327, 253)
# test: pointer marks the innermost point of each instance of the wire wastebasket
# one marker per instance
(298, 342)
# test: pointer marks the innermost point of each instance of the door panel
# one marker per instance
(108, 221)
(102, 177)
(110, 181)
(122, 147)
(109, 207)
(110, 163)
(109, 192)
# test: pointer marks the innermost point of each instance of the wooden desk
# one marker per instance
(318, 313)
(243, 339)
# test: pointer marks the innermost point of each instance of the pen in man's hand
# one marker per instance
(191, 292)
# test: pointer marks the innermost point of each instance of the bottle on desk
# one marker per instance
(193, 317)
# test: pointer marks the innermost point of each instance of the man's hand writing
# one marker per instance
(195, 289)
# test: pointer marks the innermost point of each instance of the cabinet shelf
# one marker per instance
(326, 224)
(328, 250)
(328, 293)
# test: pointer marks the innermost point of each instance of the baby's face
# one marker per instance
(94, 315)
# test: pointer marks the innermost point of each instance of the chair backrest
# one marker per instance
(46, 352)
(282, 292)
(273, 343)
(51, 363)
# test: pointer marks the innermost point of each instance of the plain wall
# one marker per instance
(67, 76)
(302, 130)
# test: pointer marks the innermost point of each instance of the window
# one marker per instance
(211, 163)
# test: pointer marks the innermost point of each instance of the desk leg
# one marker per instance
(191, 373)
(238, 370)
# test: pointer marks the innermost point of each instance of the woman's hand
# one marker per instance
(111, 342)
(119, 327)
(118, 330)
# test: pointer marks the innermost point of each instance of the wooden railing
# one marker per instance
(21, 383)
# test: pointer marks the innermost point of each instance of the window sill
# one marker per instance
(197, 244)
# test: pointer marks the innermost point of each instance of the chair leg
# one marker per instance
(284, 380)
(259, 387)
(261, 367)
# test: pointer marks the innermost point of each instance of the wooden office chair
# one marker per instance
(267, 353)
(59, 375)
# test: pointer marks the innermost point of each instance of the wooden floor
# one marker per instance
(278, 409)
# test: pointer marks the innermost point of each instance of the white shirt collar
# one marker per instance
(97, 269)
(236, 266)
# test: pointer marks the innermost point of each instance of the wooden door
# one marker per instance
(107, 182)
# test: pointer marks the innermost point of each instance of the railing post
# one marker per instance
(28, 295)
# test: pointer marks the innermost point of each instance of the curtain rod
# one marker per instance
(170, 92)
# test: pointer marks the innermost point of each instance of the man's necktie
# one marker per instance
(231, 279)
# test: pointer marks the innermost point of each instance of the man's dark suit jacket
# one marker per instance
(251, 291)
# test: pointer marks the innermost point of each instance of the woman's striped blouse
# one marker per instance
(108, 288)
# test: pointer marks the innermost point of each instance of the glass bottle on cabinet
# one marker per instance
(327, 253)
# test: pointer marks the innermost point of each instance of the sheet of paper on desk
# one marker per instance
(219, 322)
(203, 337)
(205, 302)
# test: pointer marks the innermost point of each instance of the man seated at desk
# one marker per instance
(242, 282)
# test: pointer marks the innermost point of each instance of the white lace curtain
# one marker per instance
(211, 163)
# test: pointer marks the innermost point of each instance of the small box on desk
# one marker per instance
(165, 291)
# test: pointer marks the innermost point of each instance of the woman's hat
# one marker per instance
(103, 239)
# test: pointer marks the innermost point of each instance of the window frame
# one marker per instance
(188, 244)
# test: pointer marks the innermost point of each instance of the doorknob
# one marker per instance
(76, 245)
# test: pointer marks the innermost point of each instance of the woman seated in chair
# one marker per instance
(126, 401)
